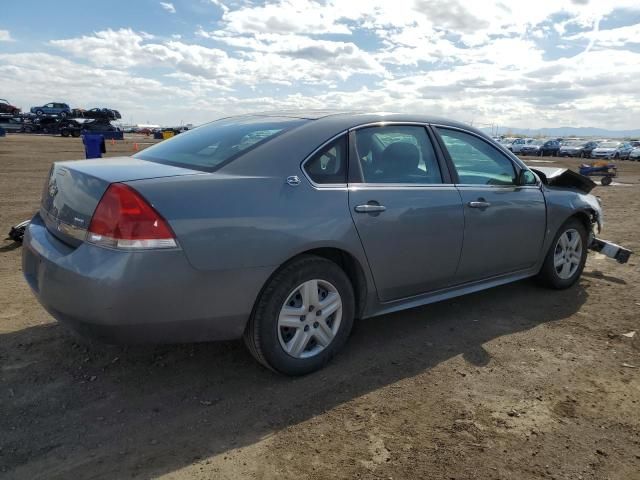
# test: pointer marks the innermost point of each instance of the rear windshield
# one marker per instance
(215, 144)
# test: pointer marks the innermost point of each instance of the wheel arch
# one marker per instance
(346, 261)
(586, 217)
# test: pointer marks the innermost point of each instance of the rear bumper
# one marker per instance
(136, 297)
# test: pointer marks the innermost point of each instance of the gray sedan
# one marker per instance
(283, 229)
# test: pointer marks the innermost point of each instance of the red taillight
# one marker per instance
(123, 219)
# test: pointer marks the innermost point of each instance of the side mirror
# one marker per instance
(527, 177)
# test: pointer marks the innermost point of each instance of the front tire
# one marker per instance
(39, 113)
(566, 257)
(288, 331)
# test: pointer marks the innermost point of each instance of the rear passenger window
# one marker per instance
(477, 162)
(397, 154)
(329, 165)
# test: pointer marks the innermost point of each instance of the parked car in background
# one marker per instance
(612, 150)
(635, 154)
(74, 127)
(12, 124)
(7, 108)
(518, 143)
(532, 148)
(209, 235)
(550, 148)
(53, 108)
(42, 125)
(71, 127)
(577, 148)
(106, 113)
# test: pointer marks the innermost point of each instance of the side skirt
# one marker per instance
(451, 292)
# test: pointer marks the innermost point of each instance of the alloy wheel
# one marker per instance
(568, 254)
(309, 319)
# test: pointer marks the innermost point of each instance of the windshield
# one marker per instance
(574, 144)
(609, 144)
(211, 146)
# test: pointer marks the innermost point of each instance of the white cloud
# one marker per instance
(614, 37)
(486, 61)
(5, 36)
(168, 6)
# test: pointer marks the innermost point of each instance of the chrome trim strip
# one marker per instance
(67, 229)
(381, 186)
(382, 123)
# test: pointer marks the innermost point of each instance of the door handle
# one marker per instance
(370, 208)
(479, 204)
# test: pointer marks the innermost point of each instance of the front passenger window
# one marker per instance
(476, 161)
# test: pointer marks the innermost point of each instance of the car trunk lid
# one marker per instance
(73, 190)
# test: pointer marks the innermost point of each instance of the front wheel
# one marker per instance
(303, 317)
(39, 113)
(566, 257)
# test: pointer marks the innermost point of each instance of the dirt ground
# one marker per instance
(517, 382)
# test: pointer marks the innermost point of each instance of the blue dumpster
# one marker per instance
(94, 145)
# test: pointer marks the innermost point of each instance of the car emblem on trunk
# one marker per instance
(53, 189)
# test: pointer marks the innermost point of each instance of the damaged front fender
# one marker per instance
(563, 177)
(579, 186)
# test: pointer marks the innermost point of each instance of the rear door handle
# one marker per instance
(370, 208)
(479, 204)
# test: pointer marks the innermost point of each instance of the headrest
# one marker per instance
(400, 157)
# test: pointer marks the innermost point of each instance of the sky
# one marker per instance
(527, 64)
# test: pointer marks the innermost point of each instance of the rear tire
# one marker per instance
(606, 181)
(272, 342)
(39, 113)
(564, 263)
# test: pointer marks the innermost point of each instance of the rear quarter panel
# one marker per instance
(226, 221)
(245, 215)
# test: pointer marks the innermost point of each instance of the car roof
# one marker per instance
(344, 119)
